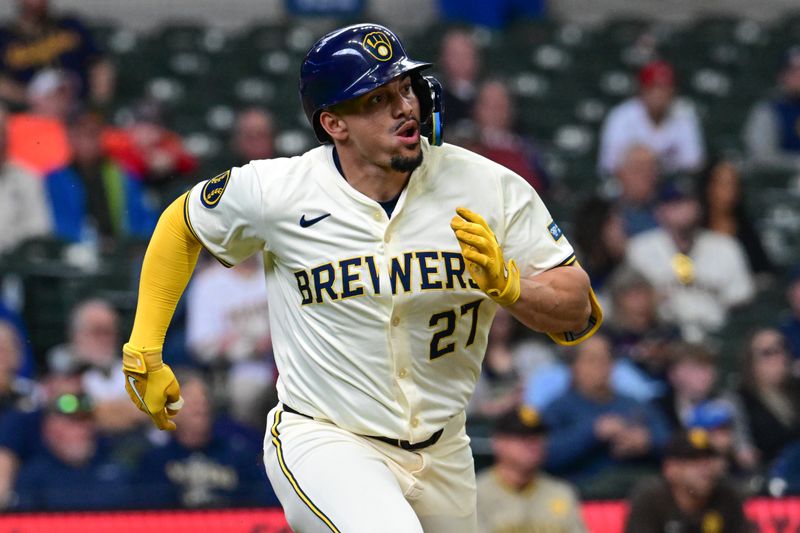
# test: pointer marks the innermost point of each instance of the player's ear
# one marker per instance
(333, 125)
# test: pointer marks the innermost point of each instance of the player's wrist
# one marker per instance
(511, 292)
(141, 360)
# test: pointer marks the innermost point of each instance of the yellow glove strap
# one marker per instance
(141, 361)
(571, 338)
(510, 293)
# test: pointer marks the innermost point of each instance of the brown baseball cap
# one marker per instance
(690, 444)
(521, 421)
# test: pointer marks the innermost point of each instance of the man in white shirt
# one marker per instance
(656, 119)
(700, 274)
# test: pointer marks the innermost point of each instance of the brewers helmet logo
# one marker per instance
(378, 45)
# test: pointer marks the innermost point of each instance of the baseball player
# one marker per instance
(386, 255)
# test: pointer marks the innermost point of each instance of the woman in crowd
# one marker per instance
(724, 211)
(769, 396)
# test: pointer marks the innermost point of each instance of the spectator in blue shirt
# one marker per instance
(207, 462)
(74, 471)
(771, 132)
(21, 428)
(784, 477)
(14, 390)
(595, 432)
(93, 197)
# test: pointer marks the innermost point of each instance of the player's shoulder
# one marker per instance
(485, 478)
(720, 245)
(450, 155)
(283, 173)
(717, 239)
(470, 167)
(280, 167)
(555, 487)
(652, 238)
(650, 489)
(683, 108)
(626, 110)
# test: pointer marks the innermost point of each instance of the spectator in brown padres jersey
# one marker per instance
(514, 495)
(689, 496)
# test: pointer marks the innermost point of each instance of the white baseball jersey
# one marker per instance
(376, 324)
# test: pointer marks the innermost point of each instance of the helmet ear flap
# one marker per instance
(319, 131)
(429, 93)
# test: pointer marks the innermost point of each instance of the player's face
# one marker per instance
(658, 98)
(770, 359)
(680, 215)
(696, 476)
(591, 369)
(194, 420)
(723, 189)
(523, 453)
(70, 438)
(791, 81)
(383, 127)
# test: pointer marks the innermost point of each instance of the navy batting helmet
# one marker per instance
(352, 61)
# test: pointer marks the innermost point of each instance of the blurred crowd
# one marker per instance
(646, 407)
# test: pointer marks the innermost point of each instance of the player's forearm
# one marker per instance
(555, 300)
(168, 264)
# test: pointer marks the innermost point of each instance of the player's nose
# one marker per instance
(403, 105)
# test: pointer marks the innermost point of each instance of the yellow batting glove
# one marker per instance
(151, 385)
(484, 258)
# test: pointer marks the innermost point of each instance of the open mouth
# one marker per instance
(409, 131)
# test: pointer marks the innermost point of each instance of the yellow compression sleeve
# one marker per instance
(168, 264)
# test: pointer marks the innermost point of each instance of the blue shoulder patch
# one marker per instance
(555, 231)
(213, 189)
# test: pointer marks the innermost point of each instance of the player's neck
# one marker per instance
(513, 478)
(688, 502)
(379, 183)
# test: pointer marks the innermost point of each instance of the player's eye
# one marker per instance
(376, 99)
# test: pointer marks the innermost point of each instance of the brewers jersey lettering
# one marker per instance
(376, 324)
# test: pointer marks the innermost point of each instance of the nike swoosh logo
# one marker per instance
(132, 383)
(310, 222)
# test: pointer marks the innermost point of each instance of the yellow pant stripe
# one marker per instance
(276, 441)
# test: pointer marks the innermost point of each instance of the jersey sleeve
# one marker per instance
(535, 242)
(531, 238)
(225, 214)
